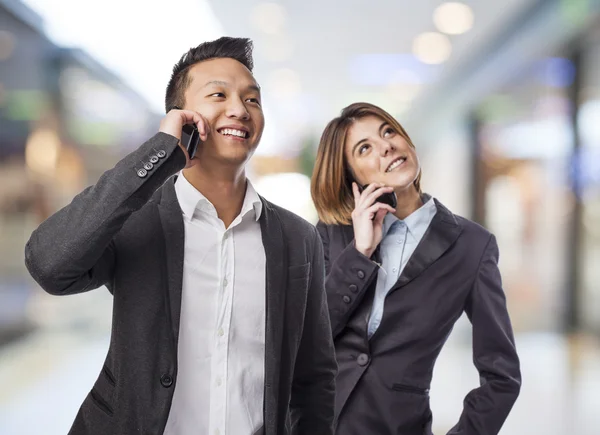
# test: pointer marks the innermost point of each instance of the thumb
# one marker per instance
(379, 216)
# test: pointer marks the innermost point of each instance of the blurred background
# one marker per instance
(501, 98)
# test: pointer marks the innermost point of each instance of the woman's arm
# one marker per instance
(347, 278)
(494, 352)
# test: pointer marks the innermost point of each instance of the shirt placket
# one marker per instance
(218, 389)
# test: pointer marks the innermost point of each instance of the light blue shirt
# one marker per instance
(400, 239)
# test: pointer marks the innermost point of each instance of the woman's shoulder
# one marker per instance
(469, 228)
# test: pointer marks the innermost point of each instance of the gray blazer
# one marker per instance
(382, 386)
(127, 233)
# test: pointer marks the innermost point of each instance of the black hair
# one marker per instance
(239, 49)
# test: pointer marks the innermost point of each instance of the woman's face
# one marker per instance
(377, 153)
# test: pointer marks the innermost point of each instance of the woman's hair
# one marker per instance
(331, 183)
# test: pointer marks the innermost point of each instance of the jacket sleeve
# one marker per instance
(348, 278)
(313, 390)
(494, 353)
(73, 251)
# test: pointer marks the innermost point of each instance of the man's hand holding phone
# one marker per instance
(173, 123)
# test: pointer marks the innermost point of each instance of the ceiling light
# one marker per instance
(453, 18)
(269, 18)
(432, 47)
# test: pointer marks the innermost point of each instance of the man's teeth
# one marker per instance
(395, 164)
(232, 132)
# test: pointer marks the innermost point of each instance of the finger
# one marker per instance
(380, 206)
(356, 193)
(203, 127)
(193, 117)
(380, 216)
(372, 197)
(363, 193)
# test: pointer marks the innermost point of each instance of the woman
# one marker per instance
(398, 278)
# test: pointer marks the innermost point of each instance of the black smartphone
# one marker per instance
(190, 138)
(386, 198)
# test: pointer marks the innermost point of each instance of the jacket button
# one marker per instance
(361, 274)
(161, 154)
(166, 380)
(142, 173)
(154, 159)
(148, 166)
(353, 288)
(362, 359)
(346, 299)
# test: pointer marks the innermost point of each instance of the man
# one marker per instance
(220, 322)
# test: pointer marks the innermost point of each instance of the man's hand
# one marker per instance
(174, 121)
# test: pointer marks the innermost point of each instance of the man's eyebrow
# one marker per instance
(216, 82)
(254, 87)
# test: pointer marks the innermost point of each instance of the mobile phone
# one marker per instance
(190, 138)
(386, 198)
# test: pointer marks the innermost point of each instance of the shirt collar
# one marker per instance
(418, 221)
(191, 200)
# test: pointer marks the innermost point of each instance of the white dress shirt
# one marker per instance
(400, 239)
(221, 353)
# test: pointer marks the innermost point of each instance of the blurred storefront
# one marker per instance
(520, 128)
(63, 120)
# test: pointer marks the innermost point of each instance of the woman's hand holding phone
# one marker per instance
(173, 124)
(368, 215)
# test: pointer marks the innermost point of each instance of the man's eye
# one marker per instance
(218, 94)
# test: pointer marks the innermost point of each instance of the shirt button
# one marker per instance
(346, 299)
(353, 288)
(395, 270)
(399, 241)
(219, 382)
(360, 274)
(221, 332)
(217, 432)
(225, 282)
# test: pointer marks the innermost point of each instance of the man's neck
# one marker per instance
(225, 188)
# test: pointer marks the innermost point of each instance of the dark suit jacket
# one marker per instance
(127, 232)
(383, 383)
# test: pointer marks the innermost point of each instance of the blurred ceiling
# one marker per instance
(312, 57)
(315, 56)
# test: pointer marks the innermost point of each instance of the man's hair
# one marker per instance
(239, 49)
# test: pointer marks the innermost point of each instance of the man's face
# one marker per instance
(225, 93)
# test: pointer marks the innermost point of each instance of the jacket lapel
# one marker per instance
(276, 277)
(174, 244)
(441, 234)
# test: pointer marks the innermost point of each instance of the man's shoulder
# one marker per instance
(293, 225)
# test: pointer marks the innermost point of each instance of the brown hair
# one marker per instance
(331, 183)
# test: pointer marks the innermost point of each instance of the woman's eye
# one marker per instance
(253, 100)
(363, 148)
(388, 131)
(218, 94)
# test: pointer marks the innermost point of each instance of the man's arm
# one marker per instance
(313, 390)
(72, 251)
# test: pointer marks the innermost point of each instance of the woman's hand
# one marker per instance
(367, 217)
